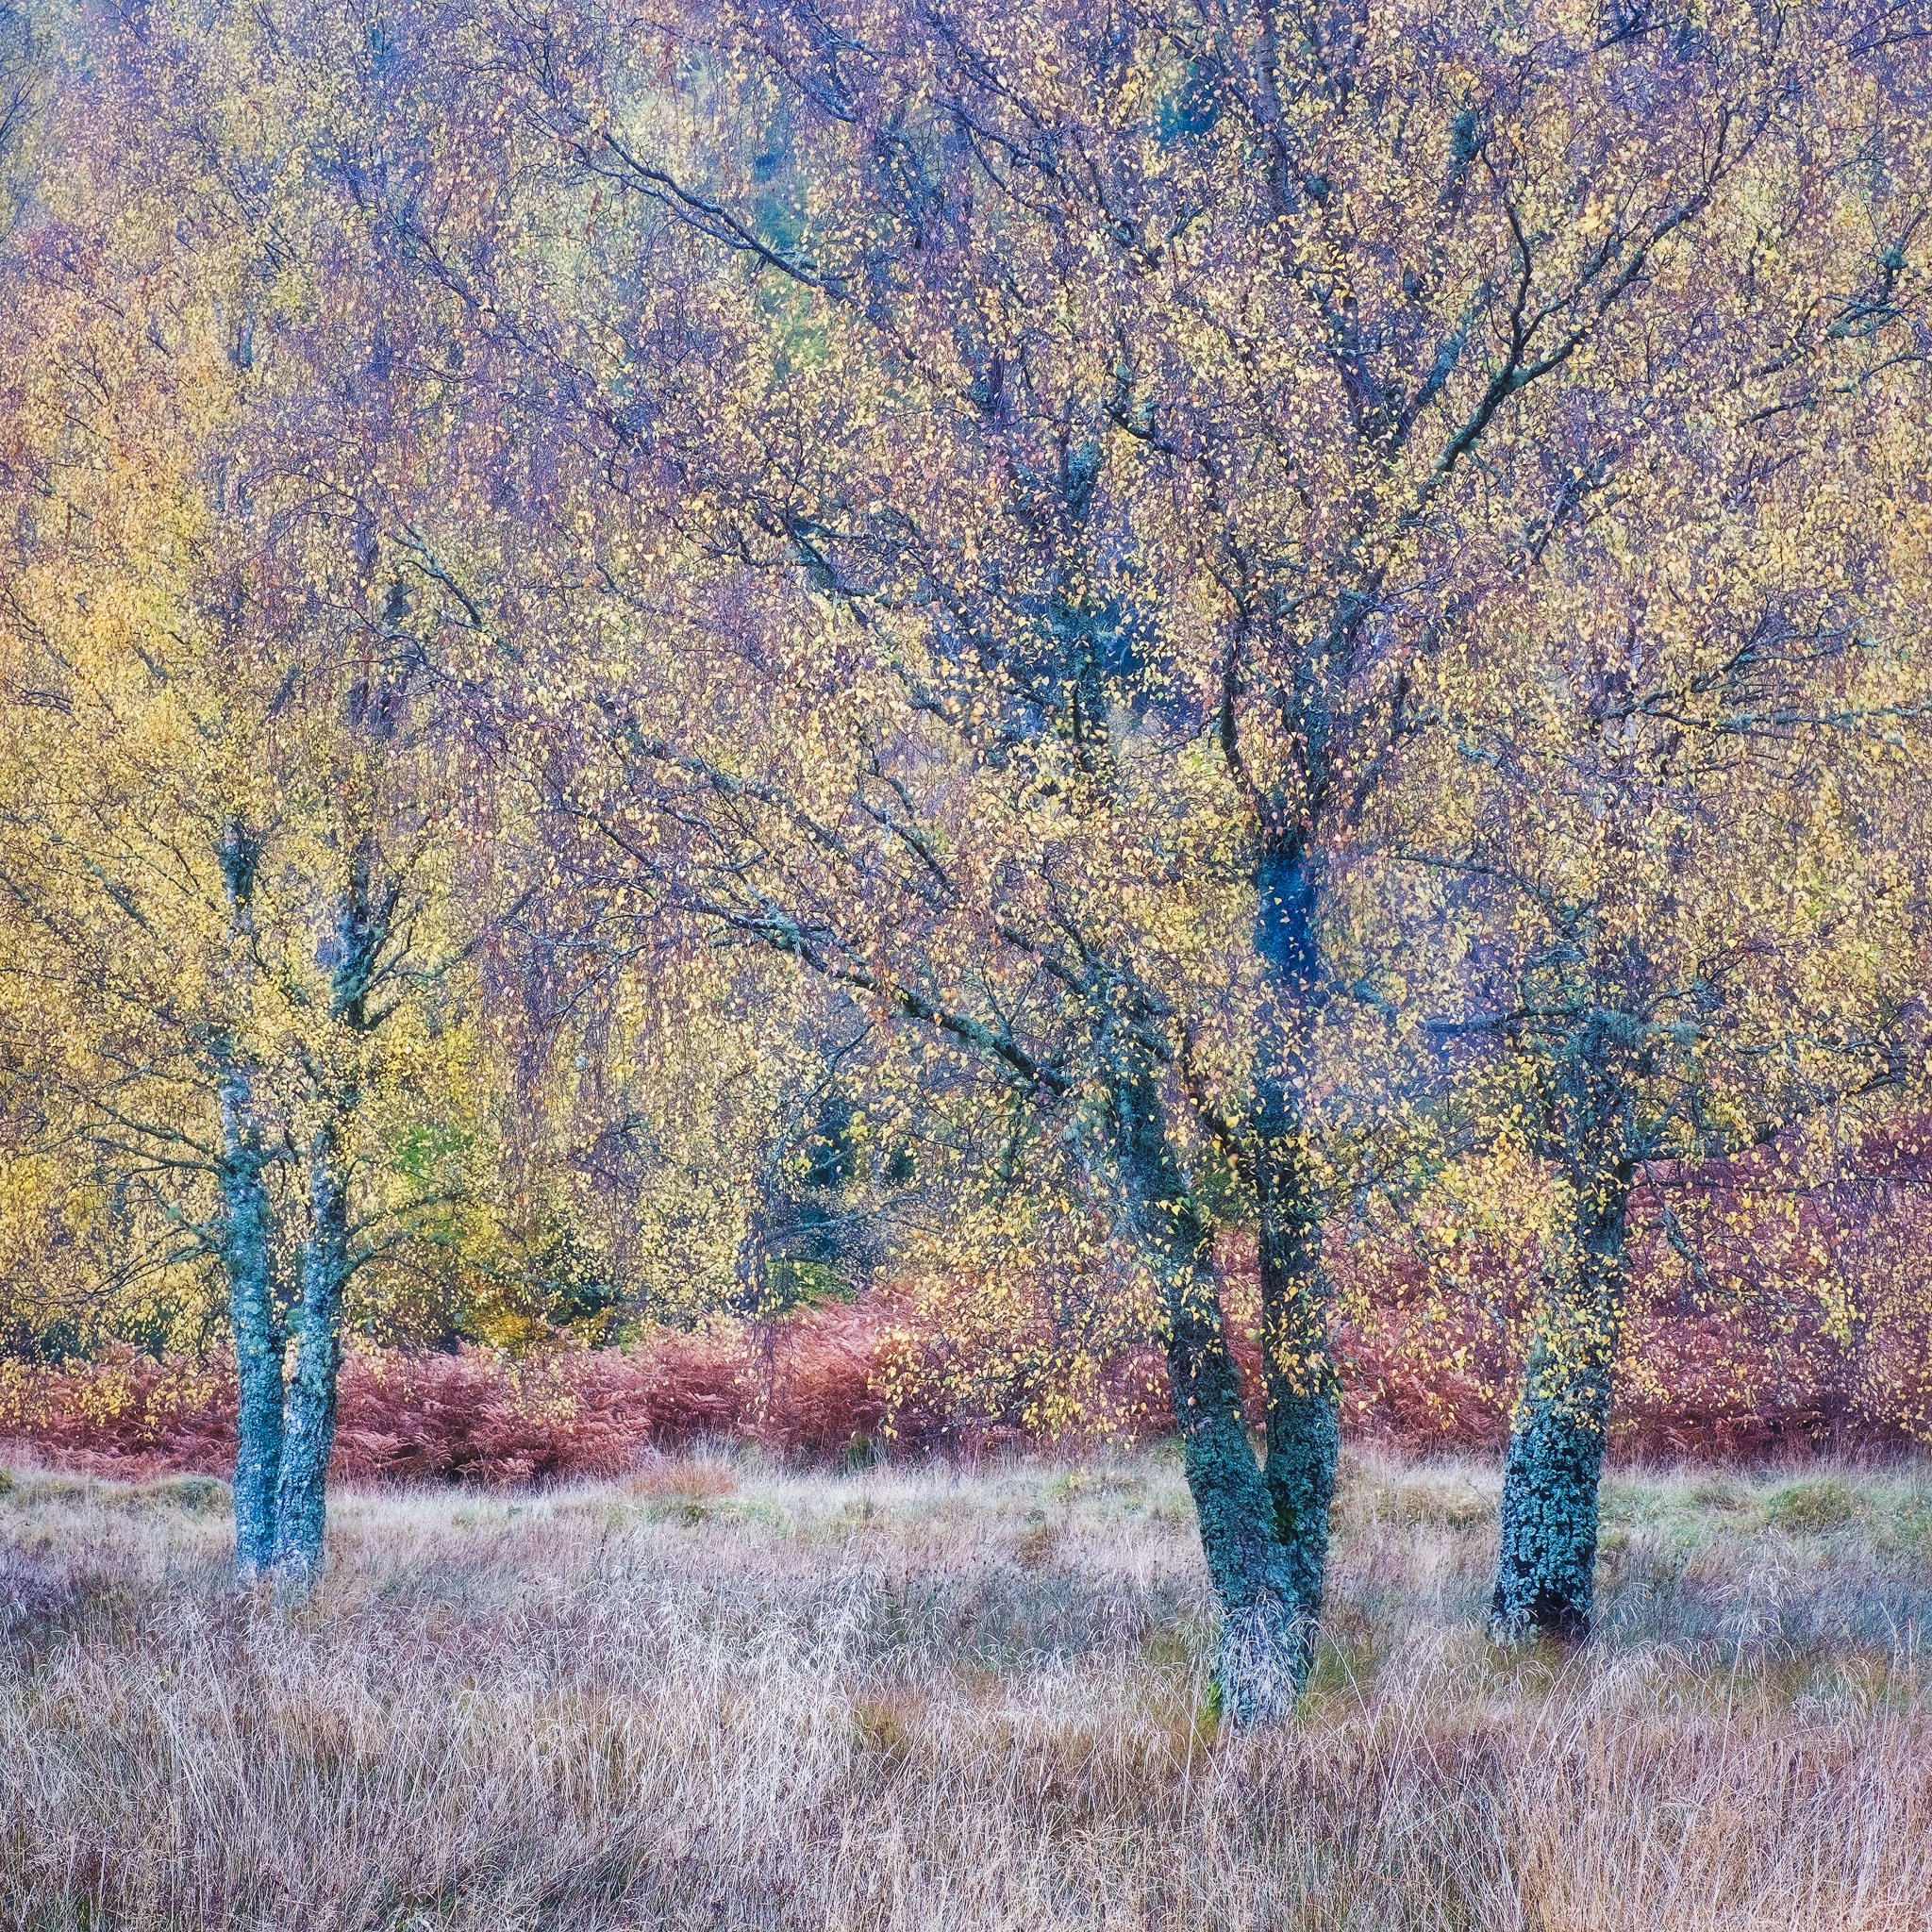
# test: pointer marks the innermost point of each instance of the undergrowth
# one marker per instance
(722, 1692)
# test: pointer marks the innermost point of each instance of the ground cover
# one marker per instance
(725, 1693)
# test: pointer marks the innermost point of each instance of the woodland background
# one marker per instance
(492, 514)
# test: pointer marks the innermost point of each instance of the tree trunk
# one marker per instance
(247, 1247)
(1264, 1648)
(363, 925)
(1546, 1568)
(248, 1236)
(1302, 1407)
(309, 1426)
(1301, 1393)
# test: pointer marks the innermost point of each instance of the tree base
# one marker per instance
(1261, 1666)
(1543, 1620)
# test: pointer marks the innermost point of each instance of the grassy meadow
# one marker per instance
(723, 1693)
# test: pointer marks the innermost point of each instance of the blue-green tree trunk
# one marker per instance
(246, 1240)
(1303, 1424)
(308, 1416)
(248, 1258)
(363, 916)
(1546, 1566)
(1299, 1382)
(1263, 1651)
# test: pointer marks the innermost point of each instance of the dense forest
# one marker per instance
(1171, 674)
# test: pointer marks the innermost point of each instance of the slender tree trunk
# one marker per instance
(1546, 1568)
(1302, 1409)
(362, 916)
(1264, 1647)
(248, 1238)
(309, 1426)
(255, 1315)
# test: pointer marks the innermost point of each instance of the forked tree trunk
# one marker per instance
(1546, 1567)
(362, 916)
(286, 1414)
(1263, 1651)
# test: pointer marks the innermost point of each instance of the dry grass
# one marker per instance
(724, 1696)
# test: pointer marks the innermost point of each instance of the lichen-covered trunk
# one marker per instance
(1300, 1385)
(247, 1251)
(308, 1419)
(1263, 1651)
(247, 1232)
(1546, 1566)
(1303, 1423)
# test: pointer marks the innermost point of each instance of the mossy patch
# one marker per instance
(40, 1491)
(1814, 1506)
(690, 1512)
(194, 1495)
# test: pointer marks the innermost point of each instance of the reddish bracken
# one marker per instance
(1734, 1381)
(806, 1387)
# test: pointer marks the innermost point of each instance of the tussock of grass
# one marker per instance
(720, 1694)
